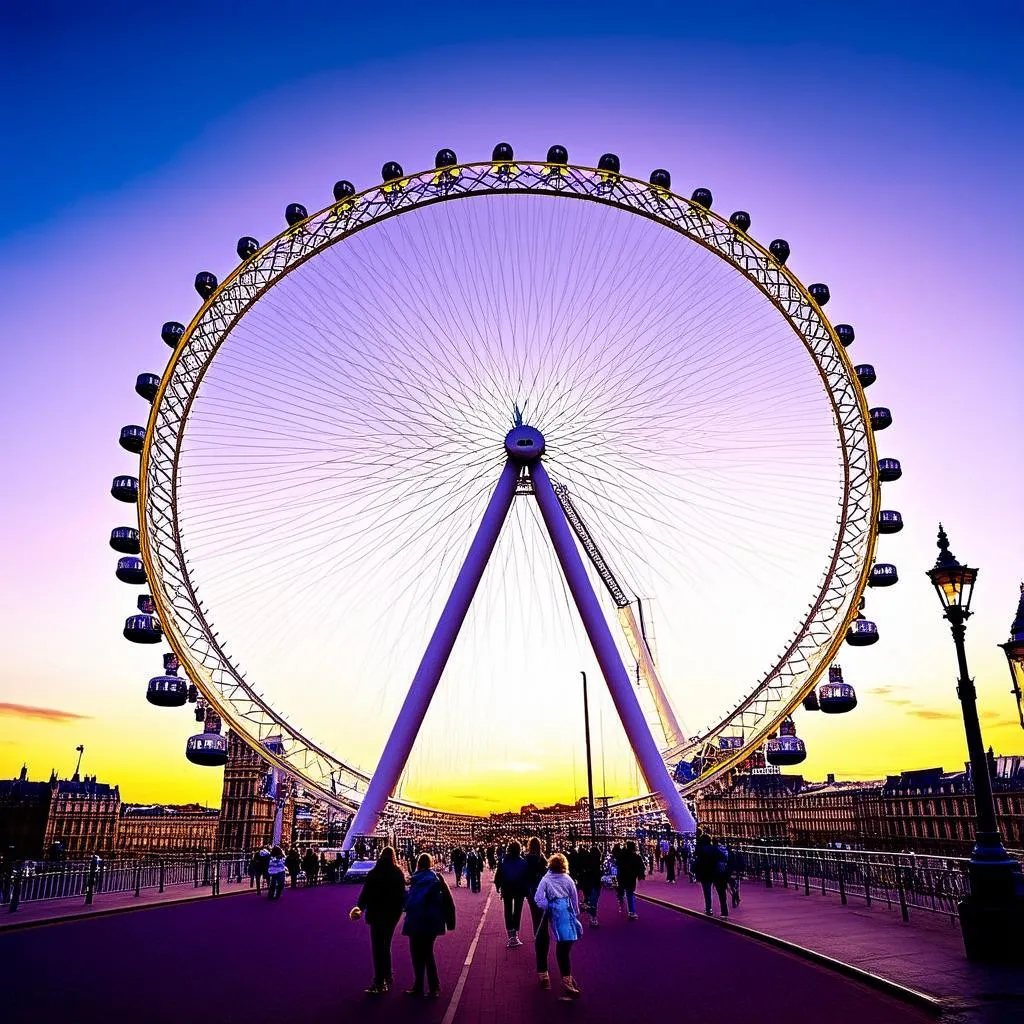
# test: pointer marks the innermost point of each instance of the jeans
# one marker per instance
(541, 937)
(275, 886)
(630, 900)
(421, 948)
(719, 886)
(513, 912)
(593, 894)
(380, 943)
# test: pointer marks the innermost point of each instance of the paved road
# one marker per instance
(242, 959)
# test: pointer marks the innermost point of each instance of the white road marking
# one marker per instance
(453, 1006)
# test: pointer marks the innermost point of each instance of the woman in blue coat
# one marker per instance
(429, 912)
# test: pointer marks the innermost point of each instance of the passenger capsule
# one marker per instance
(609, 162)
(167, 691)
(845, 334)
(391, 171)
(787, 748)
(780, 250)
(147, 385)
(880, 418)
(130, 569)
(865, 374)
(193, 693)
(820, 293)
(125, 488)
(502, 153)
(740, 219)
(132, 438)
(558, 155)
(247, 246)
(142, 629)
(343, 190)
(889, 521)
(835, 696)
(125, 539)
(146, 604)
(171, 664)
(862, 633)
(811, 702)
(730, 742)
(889, 470)
(295, 213)
(206, 283)
(703, 197)
(200, 713)
(445, 158)
(883, 574)
(661, 178)
(172, 333)
(207, 749)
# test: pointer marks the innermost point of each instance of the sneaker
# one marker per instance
(511, 943)
(377, 990)
(515, 942)
(632, 917)
(544, 978)
(725, 913)
(707, 910)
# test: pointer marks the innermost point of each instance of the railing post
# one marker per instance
(807, 877)
(138, 876)
(90, 881)
(206, 870)
(16, 889)
(902, 893)
(785, 877)
(842, 881)
(767, 870)
(867, 882)
(161, 874)
(216, 876)
(195, 874)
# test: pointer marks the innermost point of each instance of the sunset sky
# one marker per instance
(885, 144)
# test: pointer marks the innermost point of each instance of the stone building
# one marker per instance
(157, 828)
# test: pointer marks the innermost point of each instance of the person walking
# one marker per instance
(737, 867)
(556, 897)
(473, 867)
(590, 881)
(536, 869)
(670, 865)
(275, 873)
(293, 864)
(311, 865)
(513, 885)
(458, 864)
(258, 868)
(429, 912)
(381, 902)
(710, 868)
(631, 870)
(620, 895)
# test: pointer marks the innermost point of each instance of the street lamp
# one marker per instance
(1014, 650)
(992, 917)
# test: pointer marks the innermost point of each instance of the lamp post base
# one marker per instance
(992, 917)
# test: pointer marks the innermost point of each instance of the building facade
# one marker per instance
(155, 828)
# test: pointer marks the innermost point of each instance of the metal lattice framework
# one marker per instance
(180, 607)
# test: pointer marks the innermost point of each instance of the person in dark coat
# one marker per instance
(631, 870)
(473, 869)
(513, 885)
(536, 869)
(590, 880)
(293, 864)
(669, 860)
(381, 901)
(429, 912)
(458, 864)
(711, 869)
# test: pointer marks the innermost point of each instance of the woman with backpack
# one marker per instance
(429, 912)
(556, 897)
(381, 901)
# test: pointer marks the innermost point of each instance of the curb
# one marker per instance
(930, 1004)
(41, 922)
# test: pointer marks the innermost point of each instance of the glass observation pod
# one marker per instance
(787, 748)
(146, 604)
(200, 713)
(172, 333)
(862, 633)
(845, 334)
(125, 488)
(132, 438)
(207, 749)
(142, 629)
(889, 469)
(130, 569)
(167, 691)
(147, 385)
(880, 418)
(889, 521)
(865, 374)
(883, 574)
(171, 664)
(730, 742)
(836, 697)
(125, 539)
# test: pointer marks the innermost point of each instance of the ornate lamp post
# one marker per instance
(1014, 650)
(992, 916)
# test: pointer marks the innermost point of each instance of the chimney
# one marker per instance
(23, 777)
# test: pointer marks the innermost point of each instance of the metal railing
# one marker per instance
(30, 881)
(906, 881)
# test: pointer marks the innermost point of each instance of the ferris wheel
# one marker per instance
(505, 392)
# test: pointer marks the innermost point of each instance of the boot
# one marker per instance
(516, 941)
(544, 978)
(511, 944)
(570, 987)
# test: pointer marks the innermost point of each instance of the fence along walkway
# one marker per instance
(905, 880)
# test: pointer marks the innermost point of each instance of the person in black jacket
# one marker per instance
(631, 870)
(536, 869)
(513, 885)
(711, 869)
(381, 900)
(590, 880)
(429, 912)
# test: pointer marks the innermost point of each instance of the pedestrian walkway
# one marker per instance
(925, 954)
(250, 961)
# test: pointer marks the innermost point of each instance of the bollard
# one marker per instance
(90, 882)
(161, 874)
(15, 890)
(807, 878)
